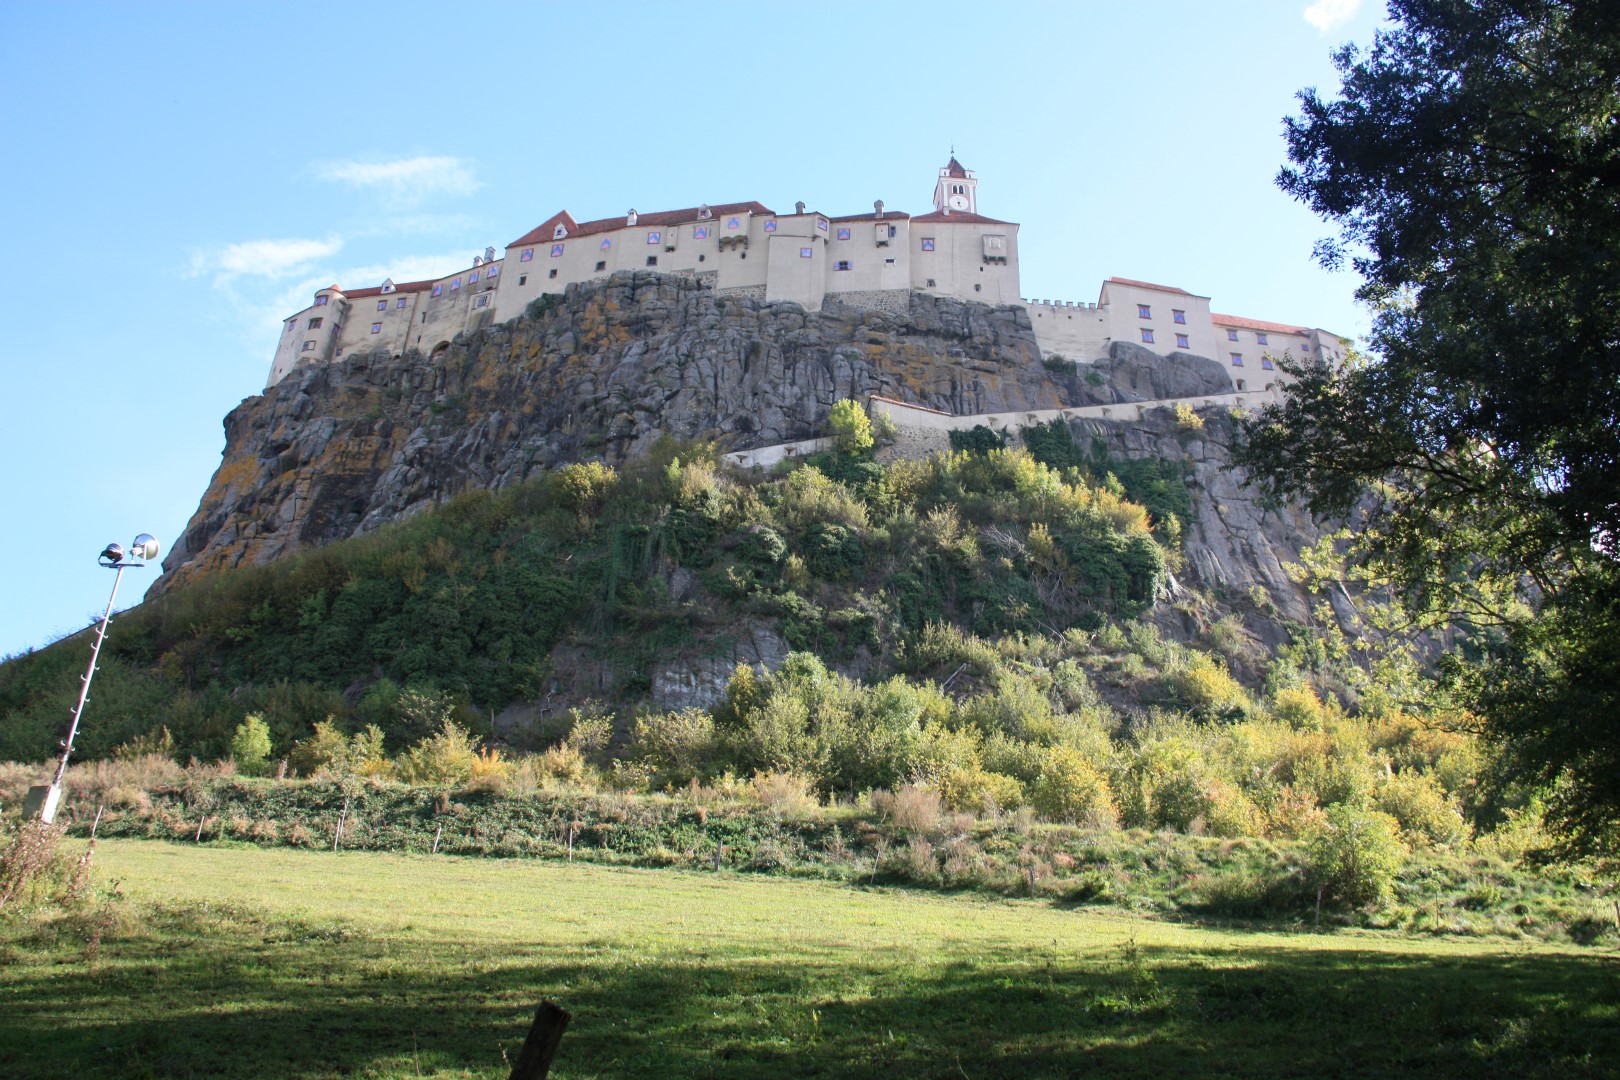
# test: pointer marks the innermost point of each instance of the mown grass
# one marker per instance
(234, 960)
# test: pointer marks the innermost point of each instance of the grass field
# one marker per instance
(240, 961)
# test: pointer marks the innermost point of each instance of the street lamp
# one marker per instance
(45, 799)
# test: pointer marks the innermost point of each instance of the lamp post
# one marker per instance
(45, 799)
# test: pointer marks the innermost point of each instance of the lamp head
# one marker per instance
(112, 555)
(145, 547)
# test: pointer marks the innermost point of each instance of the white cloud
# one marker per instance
(405, 180)
(263, 258)
(1327, 15)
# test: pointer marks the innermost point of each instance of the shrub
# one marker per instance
(850, 426)
(789, 794)
(679, 747)
(1354, 858)
(1187, 420)
(1420, 805)
(445, 758)
(583, 486)
(1207, 688)
(250, 745)
(978, 439)
(1070, 788)
(911, 807)
(1299, 708)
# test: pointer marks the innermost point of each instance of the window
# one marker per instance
(315, 323)
(1260, 338)
(455, 283)
(1231, 335)
(601, 266)
(930, 283)
(523, 279)
(292, 324)
(556, 250)
(841, 264)
(1305, 347)
(732, 223)
(605, 244)
(1237, 359)
(473, 278)
(700, 232)
(655, 238)
(1143, 311)
(382, 305)
(553, 273)
(770, 226)
(928, 243)
(376, 328)
(482, 301)
(527, 254)
(843, 234)
(652, 260)
(309, 346)
(492, 271)
(821, 224)
(1265, 362)
(978, 288)
(1147, 336)
(559, 232)
(805, 253)
(320, 301)
(1178, 317)
(1181, 342)
(400, 302)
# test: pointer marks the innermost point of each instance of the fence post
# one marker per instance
(343, 816)
(436, 835)
(545, 1034)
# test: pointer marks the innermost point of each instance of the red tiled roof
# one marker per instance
(959, 218)
(545, 230)
(955, 169)
(1149, 285)
(1257, 324)
(376, 290)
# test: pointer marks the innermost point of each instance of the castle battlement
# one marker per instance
(869, 260)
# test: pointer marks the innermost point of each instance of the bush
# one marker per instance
(912, 807)
(583, 486)
(678, 747)
(1187, 420)
(1354, 858)
(1426, 816)
(448, 757)
(1070, 788)
(850, 426)
(250, 745)
(978, 440)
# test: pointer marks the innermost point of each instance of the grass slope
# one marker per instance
(242, 961)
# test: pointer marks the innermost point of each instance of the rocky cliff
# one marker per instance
(603, 372)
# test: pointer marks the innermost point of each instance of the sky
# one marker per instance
(182, 176)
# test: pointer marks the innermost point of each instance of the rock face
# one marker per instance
(336, 450)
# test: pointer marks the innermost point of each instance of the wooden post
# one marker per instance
(719, 853)
(436, 836)
(343, 816)
(97, 824)
(534, 1060)
(571, 841)
(1319, 905)
(200, 823)
(1031, 870)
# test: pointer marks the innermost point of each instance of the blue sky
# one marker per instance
(183, 175)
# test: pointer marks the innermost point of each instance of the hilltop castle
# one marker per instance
(872, 260)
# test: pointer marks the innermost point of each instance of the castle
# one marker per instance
(873, 260)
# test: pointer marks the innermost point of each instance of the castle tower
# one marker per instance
(955, 192)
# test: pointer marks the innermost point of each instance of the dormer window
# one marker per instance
(559, 232)
(630, 218)
(704, 212)
(388, 286)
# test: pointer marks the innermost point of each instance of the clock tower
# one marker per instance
(954, 194)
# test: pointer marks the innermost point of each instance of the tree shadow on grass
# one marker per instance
(296, 1000)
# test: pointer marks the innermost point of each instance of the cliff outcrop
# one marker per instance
(337, 450)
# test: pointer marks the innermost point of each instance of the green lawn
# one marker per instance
(239, 961)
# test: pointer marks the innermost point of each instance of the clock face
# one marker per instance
(959, 202)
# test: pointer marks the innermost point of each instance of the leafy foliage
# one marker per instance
(1472, 164)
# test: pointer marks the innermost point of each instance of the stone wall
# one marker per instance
(895, 301)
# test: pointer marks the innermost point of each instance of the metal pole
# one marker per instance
(84, 691)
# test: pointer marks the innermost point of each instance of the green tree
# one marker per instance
(850, 426)
(1472, 165)
(250, 745)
